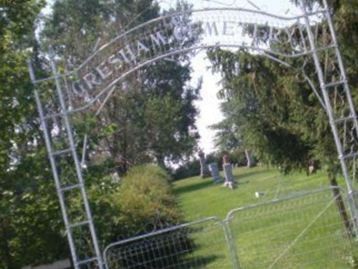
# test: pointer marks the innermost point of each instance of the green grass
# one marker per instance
(302, 232)
(202, 198)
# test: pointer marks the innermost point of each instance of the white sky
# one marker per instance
(209, 105)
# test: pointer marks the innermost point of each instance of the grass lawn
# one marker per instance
(301, 232)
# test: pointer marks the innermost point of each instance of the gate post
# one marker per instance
(331, 115)
(62, 189)
(231, 243)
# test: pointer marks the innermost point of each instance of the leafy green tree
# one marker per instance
(275, 108)
(278, 114)
(31, 225)
(30, 219)
(228, 136)
(135, 126)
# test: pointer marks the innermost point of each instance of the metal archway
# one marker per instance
(91, 84)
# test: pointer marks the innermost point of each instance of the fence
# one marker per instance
(199, 244)
(302, 231)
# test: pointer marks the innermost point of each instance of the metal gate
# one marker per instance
(91, 84)
(301, 231)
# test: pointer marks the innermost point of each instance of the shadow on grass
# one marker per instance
(240, 179)
(240, 176)
(176, 249)
(197, 262)
(194, 187)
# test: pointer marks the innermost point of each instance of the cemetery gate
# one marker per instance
(88, 87)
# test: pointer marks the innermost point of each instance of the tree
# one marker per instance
(32, 228)
(228, 136)
(29, 213)
(277, 112)
(135, 126)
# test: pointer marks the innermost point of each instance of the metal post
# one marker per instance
(77, 165)
(231, 243)
(348, 181)
(341, 66)
(52, 161)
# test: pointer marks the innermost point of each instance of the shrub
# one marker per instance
(148, 204)
(147, 201)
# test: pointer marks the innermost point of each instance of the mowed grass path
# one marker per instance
(306, 232)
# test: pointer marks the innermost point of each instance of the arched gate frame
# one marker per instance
(90, 85)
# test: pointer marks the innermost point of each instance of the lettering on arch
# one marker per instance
(174, 34)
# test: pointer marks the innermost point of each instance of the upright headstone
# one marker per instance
(204, 172)
(214, 170)
(227, 167)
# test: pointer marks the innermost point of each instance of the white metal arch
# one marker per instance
(165, 44)
(238, 17)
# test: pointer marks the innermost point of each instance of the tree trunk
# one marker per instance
(249, 160)
(340, 204)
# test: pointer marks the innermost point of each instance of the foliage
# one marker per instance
(226, 135)
(31, 226)
(191, 168)
(152, 115)
(30, 220)
(273, 109)
(147, 200)
(277, 112)
(147, 205)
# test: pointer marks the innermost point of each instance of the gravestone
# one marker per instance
(214, 170)
(229, 178)
(204, 172)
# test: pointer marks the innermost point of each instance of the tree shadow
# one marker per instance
(248, 174)
(194, 187)
(240, 179)
(197, 262)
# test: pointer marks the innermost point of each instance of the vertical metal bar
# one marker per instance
(84, 150)
(53, 164)
(341, 66)
(77, 164)
(230, 240)
(330, 114)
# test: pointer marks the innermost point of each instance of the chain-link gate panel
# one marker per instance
(202, 244)
(305, 231)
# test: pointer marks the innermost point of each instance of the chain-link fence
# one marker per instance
(201, 244)
(310, 230)
(307, 231)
